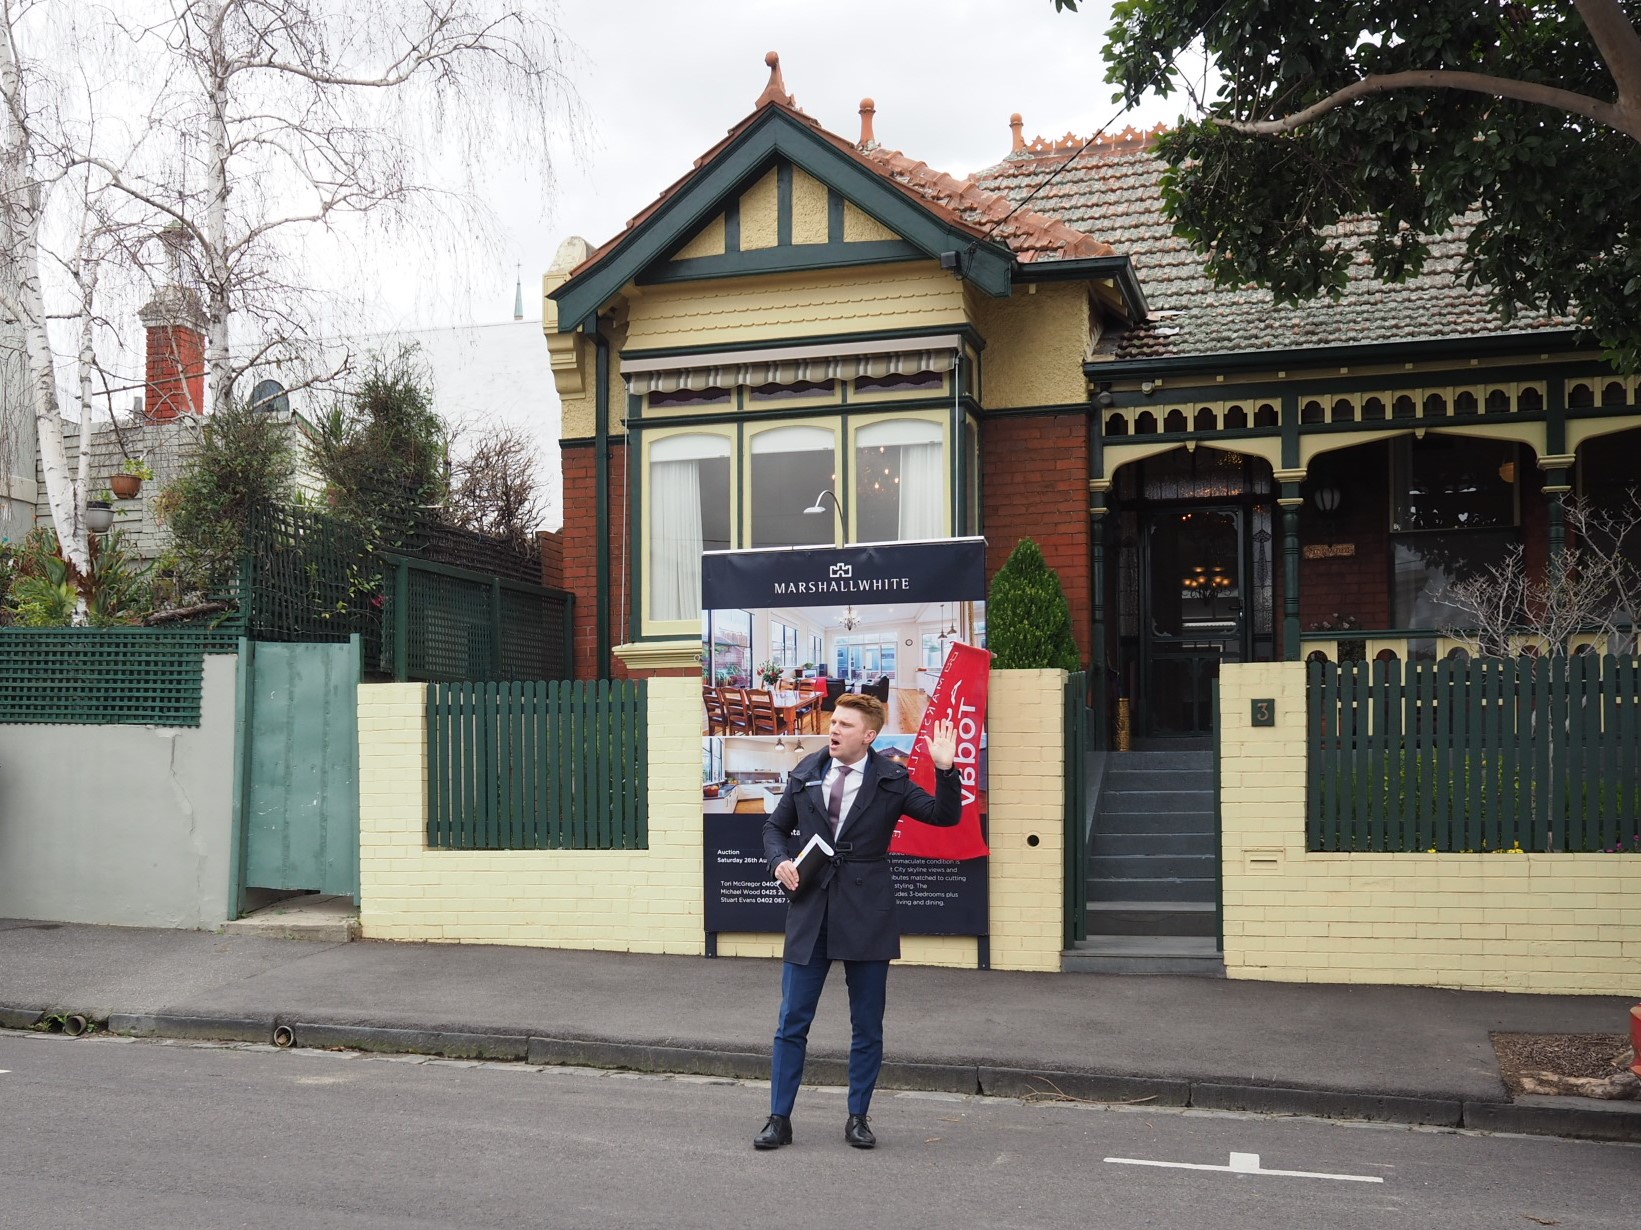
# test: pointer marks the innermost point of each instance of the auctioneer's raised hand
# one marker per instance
(942, 743)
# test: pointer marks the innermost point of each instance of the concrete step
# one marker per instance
(1105, 845)
(1151, 867)
(1157, 800)
(1152, 918)
(1158, 889)
(1162, 760)
(1117, 781)
(1182, 821)
(1137, 954)
(331, 920)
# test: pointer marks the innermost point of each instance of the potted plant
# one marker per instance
(99, 513)
(128, 482)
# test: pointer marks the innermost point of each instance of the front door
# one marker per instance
(1196, 601)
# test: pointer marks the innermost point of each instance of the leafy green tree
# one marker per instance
(1028, 622)
(383, 451)
(1515, 123)
(244, 462)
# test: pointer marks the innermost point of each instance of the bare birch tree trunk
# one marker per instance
(22, 197)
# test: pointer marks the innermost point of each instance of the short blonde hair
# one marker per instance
(872, 710)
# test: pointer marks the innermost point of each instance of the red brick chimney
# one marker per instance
(176, 353)
(175, 322)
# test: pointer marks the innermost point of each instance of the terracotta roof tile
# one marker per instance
(1113, 190)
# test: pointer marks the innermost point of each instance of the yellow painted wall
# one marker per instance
(1552, 923)
(650, 900)
(1034, 345)
(759, 210)
(860, 227)
(809, 212)
(756, 311)
(708, 241)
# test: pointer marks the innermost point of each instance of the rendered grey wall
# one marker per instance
(129, 825)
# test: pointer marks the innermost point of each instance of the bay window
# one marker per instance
(787, 467)
(689, 513)
(900, 481)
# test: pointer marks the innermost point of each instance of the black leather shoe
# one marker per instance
(858, 1134)
(777, 1132)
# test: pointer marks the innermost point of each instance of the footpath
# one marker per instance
(1396, 1054)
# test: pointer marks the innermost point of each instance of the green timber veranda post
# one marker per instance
(1075, 894)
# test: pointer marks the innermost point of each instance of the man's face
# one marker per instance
(851, 736)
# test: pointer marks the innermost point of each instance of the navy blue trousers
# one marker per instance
(868, 983)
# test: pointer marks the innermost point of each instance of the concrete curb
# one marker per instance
(1611, 1122)
(19, 1018)
(173, 1025)
(449, 1043)
(1326, 1104)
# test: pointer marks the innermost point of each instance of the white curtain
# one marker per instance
(921, 480)
(675, 539)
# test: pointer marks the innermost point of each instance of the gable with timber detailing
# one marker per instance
(780, 195)
(785, 221)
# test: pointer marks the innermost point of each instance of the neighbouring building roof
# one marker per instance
(1113, 190)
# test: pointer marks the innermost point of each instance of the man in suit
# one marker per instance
(854, 798)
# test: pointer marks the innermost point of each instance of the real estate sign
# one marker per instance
(785, 633)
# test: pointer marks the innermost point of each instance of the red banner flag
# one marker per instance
(959, 698)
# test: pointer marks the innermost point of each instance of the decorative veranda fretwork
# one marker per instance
(1491, 755)
(1443, 403)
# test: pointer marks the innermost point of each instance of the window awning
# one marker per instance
(754, 369)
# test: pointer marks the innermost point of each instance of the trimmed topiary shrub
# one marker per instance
(1028, 622)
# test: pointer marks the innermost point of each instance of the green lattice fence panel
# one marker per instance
(99, 676)
(450, 624)
(538, 765)
(1495, 754)
(309, 578)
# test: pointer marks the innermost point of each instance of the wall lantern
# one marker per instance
(1326, 498)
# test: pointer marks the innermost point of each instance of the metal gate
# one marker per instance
(300, 779)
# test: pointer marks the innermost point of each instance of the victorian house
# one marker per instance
(1029, 351)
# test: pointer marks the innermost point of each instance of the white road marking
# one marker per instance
(1247, 1163)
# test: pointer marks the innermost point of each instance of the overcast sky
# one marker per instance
(662, 80)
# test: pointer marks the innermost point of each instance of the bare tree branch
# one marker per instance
(1624, 117)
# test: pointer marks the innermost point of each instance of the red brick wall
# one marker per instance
(551, 546)
(176, 371)
(578, 554)
(1034, 478)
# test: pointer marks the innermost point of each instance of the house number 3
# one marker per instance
(1264, 712)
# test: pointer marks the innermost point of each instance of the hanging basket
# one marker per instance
(99, 517)
(125, 486)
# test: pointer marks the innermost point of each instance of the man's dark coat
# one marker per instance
(856, 895)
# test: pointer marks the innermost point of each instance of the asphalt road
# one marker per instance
(139, 1134)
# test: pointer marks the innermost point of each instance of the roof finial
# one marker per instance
(868, 139)
(775, 91)
(1015, 126)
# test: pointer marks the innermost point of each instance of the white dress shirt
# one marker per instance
(851, 787)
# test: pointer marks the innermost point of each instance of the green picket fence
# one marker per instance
(537, 765)
(1488, 755)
